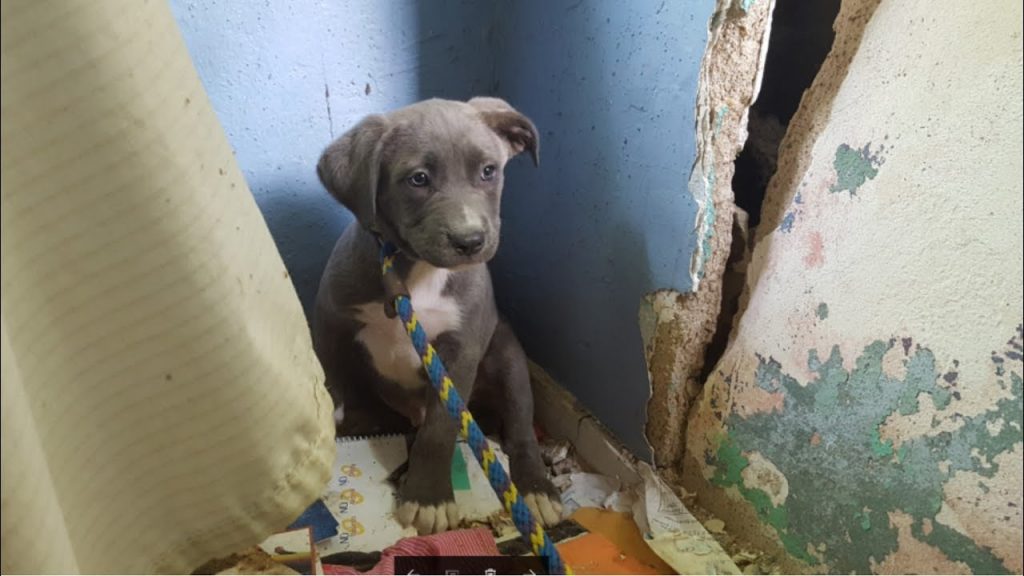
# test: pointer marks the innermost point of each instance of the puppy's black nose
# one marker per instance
(467, 244)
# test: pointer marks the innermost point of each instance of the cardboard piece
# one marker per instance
(593, 553)
(621, 530)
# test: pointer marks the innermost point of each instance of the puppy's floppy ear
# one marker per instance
(514, 127)
(350, 166)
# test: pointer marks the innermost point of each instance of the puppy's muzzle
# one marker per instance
(467, 244)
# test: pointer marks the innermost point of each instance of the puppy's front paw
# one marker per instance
(541, 496)
(429, 519)
(544, 508)
(426, 501)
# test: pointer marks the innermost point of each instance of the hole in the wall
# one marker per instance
(800, 39)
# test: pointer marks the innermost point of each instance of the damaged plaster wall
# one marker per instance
(677, 328)
(867, 414)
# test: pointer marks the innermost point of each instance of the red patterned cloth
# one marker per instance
(475, 542)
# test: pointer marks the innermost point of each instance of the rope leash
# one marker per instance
(530, 529)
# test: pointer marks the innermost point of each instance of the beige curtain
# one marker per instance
(161, 400)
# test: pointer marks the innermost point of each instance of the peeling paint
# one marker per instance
(913, 556)
(709, 220)
(700, 188)
(842, 490)
(787, 222)
(896, 420)
(720, 118)
(815, 255)
(854, 167)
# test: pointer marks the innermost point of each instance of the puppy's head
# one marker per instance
(428, 177)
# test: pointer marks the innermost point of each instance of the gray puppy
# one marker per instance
(428, 178)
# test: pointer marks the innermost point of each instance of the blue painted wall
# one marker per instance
(607, 217)
(287, 77)
(604, 220)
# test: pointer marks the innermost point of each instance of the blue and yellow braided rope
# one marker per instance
(528, 526)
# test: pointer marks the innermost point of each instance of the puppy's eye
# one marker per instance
(488, 172)
(418, 179)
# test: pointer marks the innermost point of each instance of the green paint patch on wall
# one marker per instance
(843, 478)
(854, 167)
(822, 311)
(720, 118)
(709, 222)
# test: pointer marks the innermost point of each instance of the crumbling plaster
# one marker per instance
(866, 416)
(677, 328)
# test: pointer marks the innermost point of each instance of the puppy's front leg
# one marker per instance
(505, 371)
(426, 500)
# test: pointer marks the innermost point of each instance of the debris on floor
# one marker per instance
(289, 552)
(582, 488)
(585, 489)
(294, 548)
(673, 532)
(252, 561)
(715, 526)
(560, 457)
(749, 561)
(611, 527)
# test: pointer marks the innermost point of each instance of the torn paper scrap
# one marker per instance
(583, 489)
(673, 533)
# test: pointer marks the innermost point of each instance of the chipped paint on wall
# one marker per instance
(843, 481)
(787, 222)
(708, 223)
(867, 413)
(701, 185)
(720, 115)
(854, 167)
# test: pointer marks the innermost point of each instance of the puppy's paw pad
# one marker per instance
(429, 519)
(544, 508)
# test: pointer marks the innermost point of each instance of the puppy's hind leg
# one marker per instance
(504, 380)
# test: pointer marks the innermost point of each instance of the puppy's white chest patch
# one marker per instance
(386, 339)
